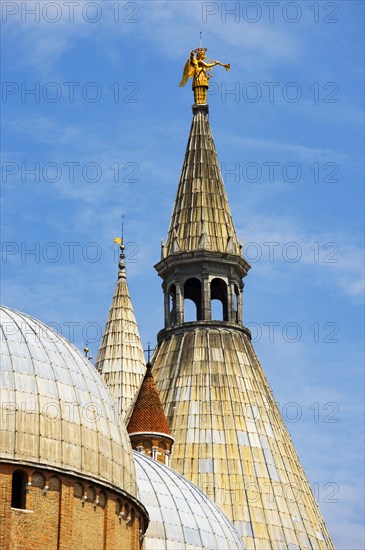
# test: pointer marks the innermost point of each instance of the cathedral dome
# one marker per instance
(181, 515)
(57, 412)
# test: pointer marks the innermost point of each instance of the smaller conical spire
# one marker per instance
(147, 427)
(120, 357)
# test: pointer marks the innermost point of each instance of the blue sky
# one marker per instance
(104, 133)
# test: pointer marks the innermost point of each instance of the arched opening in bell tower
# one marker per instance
(219, 300)
(192, 300)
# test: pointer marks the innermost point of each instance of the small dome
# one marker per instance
(182, 517)
(56, 410)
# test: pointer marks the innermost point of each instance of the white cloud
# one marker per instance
(334, 257)
(302, 151)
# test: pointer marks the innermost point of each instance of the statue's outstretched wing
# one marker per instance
(188, 72)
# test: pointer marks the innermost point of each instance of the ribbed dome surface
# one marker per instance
(229, 435)
(56, 409)
(181, 516)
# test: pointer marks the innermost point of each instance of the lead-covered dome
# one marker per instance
(56, 410)
(182, 517)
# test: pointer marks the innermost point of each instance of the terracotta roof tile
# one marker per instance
(148, 414)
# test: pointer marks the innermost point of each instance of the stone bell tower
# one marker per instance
(202, 260)
(229, 436)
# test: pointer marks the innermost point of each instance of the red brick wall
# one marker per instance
(88, 526)
(5, 507)
(58, 520)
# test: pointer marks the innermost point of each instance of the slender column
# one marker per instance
(166, 306)
(206, 306)
(179, 304)
(230, 302)
(239, 312)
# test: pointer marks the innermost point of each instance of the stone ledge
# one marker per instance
(192, 325)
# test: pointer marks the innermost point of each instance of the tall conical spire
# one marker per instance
(201, 217)
(120, 357)
(230, 438)
(202, 258)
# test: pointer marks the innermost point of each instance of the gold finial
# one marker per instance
(120, 241)
(86, 351)
(196, 68)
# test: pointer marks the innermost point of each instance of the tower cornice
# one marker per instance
(166, 333)
(186, 260)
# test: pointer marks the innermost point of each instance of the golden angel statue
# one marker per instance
(196, 68)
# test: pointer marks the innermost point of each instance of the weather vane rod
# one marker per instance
(148, 350)
(120, 242)
(122, 216)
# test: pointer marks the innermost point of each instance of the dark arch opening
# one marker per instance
(54, 484)
(78, 490)
(118, 506)
(90, 493)
(192, 293)
(172, 304)
(18, 489)
(38, 480)
(102, 499)
(218, 292)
